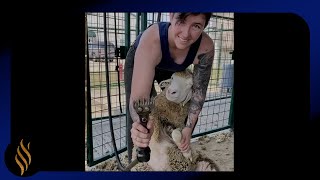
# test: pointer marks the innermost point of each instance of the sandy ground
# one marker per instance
(217, 146)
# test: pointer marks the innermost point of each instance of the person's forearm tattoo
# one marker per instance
(201, 77)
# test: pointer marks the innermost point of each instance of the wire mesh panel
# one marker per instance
(103, 61)
(106, 38)
(216, 110)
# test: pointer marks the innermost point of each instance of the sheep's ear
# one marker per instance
(187, 98)
(165, 83)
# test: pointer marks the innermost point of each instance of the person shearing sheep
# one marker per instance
(161, 50)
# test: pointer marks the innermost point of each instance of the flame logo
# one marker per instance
(26, 163)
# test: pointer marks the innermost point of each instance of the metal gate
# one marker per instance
(108, 37)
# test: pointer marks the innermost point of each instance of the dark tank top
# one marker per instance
(167, 63)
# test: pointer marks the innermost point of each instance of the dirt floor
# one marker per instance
(218, 146)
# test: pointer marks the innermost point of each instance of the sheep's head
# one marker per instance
(180, 87)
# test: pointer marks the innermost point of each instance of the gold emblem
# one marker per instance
(24, 162)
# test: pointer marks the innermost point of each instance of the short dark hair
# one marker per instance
(183, 16)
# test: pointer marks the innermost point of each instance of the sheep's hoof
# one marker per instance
(188, 155)
(204, 166)
(176, 136)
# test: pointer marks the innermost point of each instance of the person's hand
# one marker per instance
(186, 137)
(140, 135)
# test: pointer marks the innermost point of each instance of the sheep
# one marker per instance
(169, 114)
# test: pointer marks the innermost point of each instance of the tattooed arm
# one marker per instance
(201, 77)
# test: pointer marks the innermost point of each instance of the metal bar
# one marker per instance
(89, 115)
(211, 131)
(101, 28)
(153, 17)
(219, 58)
(138, 24)
(143, 21)
(222, 17)
(104, 85)
(106, 117)
(107, 157)
(127, 30)
(231, 120)
(218, 30)
(225, 97)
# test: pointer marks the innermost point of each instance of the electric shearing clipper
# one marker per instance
(143, 108)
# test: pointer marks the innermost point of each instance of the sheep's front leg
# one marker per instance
(177, 136)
